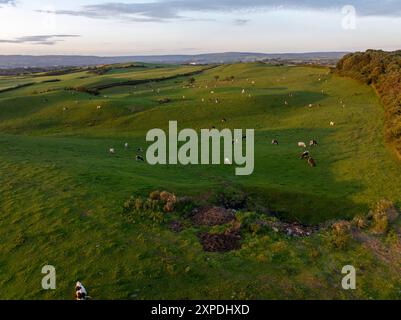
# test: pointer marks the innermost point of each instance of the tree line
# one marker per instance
(382, 70)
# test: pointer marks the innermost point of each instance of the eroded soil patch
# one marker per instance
(212, 216)
(220, 242)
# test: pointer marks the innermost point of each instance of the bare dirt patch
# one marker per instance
(220, 242)
(212, 216)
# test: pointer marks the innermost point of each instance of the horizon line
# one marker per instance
(186, 54)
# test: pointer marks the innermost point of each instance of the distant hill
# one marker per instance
(26, 61)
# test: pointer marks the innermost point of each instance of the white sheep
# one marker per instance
(302, 144)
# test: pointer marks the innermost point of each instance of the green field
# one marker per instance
(62, 192)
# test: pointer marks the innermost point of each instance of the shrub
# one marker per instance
(137, 209)
(168, 197)
(360, 222)
(382, 215)
(232, 198)
(168, 207)
(184, 206)
(340, 234)
(154, 195)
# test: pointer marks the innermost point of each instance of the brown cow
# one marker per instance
(311, 162)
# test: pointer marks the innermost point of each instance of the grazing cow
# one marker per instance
(302, 144)
(212, 92)
(311, 162)
(332, 124)
(286, 102)
(203, 99)
(304, 155)
(223, 120)
(112, 150)
(126, 145)
(310, 105)
(140, 158)
(217, 100)
(243, 91)
(99, 107)
(80, 292)
(313, 143)
(244, 137)
(275, 142)
(139, 149)
(65, 109)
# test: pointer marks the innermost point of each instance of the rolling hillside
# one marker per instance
(62, 192)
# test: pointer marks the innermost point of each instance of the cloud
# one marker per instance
(40, 40)
(7, 2)
(241, 22)
(167, 10)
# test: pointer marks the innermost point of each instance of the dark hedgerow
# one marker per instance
(232, 198)
(383, 71)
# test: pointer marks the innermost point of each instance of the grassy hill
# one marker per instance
(61, 192)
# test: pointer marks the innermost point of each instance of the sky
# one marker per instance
(149, 27)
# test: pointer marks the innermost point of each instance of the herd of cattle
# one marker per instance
(306, 154)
